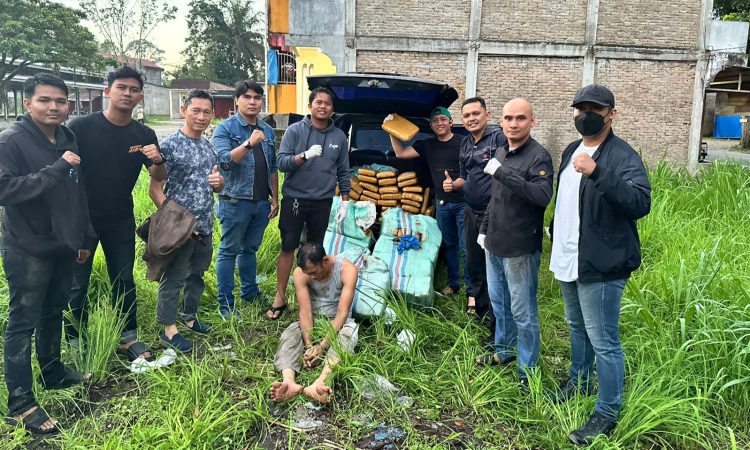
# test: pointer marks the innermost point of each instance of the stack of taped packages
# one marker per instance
(352, 238)
(387, 189)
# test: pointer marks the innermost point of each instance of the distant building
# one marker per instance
(86, 91)
(658, 56)
(223, 96)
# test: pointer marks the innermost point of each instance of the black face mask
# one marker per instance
(589, 123)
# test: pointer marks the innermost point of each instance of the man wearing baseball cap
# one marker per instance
(441, 155)
(602, 190)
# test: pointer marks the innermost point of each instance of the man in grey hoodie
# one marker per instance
(314, 154)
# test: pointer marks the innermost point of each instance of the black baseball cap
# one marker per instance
(594, 93)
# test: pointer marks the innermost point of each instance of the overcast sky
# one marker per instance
(169, 37)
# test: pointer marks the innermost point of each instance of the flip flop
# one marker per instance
(276, 309)
(493, 360)
(33, 422)
(135, 351)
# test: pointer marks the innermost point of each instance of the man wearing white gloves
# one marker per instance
(511, 234)
(314, 155)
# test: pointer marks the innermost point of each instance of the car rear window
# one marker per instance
(377, 139)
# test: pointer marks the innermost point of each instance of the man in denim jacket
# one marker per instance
(247, 160)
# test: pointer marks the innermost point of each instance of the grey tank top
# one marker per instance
(325, 295)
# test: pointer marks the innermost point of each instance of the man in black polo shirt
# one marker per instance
(511, 234)
(441, 155)
(113, 149)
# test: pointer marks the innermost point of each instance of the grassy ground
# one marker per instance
(152, 119)
(685, 330)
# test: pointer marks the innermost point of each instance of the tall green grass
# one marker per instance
(685, 329)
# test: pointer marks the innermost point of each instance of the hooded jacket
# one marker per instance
(45, 210)
(472, 159)
(316, 178)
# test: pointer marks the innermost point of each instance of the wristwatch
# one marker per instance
(247, 144)
(163, 160)
(303, 156)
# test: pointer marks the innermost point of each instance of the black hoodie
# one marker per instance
(44, 203)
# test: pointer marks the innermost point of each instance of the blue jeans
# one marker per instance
(592, 311)
(242, 225)
(512, 284)
(450, 219)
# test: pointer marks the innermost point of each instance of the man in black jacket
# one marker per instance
(511, 234)
(602, 190)
(483, 141)
(45, 227)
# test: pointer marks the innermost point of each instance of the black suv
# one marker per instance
(361, 102)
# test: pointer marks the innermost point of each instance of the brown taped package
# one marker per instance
(391, 203)
(353, 195)
(387, 182)
(406, 202)
(369, 187)
(395, 196)
(429, 211)
(387, 174)
(413, 197)
(417, 189)
(389, 190)
(367, 172)
(366, 179)
(399, 127)
(409, 182)
(370, 195)
(410, 209)
(407, 176)
(425, 200)
(356, 186)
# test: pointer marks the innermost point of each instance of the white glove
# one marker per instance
(492, 166)
(480, 239)
(343, 211)
(312, 152)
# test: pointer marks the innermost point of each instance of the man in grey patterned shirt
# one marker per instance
(192, 178)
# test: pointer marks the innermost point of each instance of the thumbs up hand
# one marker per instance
(448, 183)
(215, 180)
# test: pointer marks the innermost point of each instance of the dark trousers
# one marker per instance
(184, 273)
(118, 243)
(38, 290)
(477, 265)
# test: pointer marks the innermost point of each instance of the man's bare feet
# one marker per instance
(282, 391)
(319, 392)
(48, 425)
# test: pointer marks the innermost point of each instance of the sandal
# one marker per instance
(275, 309)
(471, 309)
(69, 379)
(33, 422)
(135, 350)
(493, 360)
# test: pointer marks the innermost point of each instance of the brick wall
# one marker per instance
(413, 18)
(548, 83)
(654, 102)
(562, 21)
(658, 23)
(449, 68)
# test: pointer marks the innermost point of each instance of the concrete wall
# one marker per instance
(728, 36)
(652, 53)
(534, 20)
(156, 99)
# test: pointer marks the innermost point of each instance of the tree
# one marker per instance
(42, 32)
(127, 24)
(225, 41)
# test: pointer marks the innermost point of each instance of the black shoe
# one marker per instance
(567, 390)
(597, 424)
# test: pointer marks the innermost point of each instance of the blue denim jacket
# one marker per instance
(239, 177)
